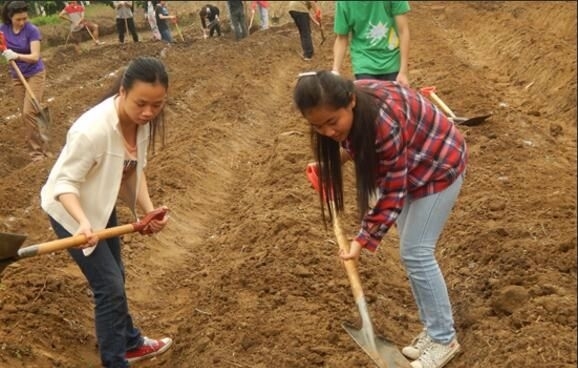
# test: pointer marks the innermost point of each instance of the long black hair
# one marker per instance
(324, 88)
(148, 70)
(12, 7)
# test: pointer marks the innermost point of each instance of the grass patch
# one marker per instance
(46, 20)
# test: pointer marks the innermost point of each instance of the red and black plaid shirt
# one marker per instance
(420, 150)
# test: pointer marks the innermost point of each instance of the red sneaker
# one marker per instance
(149, 349)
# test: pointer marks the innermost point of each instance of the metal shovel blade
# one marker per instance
(9, 245)
(42, 119)
(384, 353)
(471, 121)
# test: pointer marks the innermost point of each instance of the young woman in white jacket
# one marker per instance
(104, 158)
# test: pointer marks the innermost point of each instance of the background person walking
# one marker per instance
(125, 20)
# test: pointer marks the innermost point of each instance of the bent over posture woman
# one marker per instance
(409, 164)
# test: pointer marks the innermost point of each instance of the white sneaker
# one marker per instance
(437, 355)
(417, 346)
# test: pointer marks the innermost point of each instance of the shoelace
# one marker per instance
(421, 342)
(432, 354)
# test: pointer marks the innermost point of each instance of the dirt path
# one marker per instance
(246, 275)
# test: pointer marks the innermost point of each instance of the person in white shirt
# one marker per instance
(104, 158)
(125, 20)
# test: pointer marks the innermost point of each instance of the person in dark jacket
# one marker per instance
(210, 21)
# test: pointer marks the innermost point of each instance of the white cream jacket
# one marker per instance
(90, 165)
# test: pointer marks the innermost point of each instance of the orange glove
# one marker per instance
(318, 15)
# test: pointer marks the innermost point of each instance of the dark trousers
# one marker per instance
(384, 77)
(104, 271)
(304, 26)
(238, 23)
(214, 26)
(121, 26)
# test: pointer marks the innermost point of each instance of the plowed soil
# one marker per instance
(246, 274)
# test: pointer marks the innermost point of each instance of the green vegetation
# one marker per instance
(42, 21)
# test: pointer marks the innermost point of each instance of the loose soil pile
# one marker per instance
(246, 275)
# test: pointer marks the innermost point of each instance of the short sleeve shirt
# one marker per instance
(20, 43)
(75, 13)
(374, 43)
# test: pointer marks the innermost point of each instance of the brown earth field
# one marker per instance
(246, 274)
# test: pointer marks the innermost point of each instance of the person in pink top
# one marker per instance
(263, 7)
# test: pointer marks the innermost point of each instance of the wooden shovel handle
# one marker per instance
(74, 241)
(430, 92)
(26, 85)
(350, 264)
(342, 241)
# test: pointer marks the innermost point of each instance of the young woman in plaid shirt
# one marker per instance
(409, 161)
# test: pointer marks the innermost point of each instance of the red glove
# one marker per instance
(318, 15)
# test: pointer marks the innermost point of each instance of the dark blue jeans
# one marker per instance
(383, 77)
(104, 272)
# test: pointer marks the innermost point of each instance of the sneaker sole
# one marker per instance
(152, 355)
(450, 357)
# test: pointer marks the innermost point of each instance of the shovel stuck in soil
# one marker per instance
(430, 92)
(42, 114)
(10, 250)
(383, 353)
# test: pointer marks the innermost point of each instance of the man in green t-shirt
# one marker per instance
(379, 45)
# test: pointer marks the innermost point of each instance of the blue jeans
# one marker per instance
(166, 35)
(104, 272)
(420, 224)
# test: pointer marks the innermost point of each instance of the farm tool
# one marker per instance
(10, 250)
(42, 116)
(176, 23)
(317, 20)
(383, 353)
(430, 92)
(251, 20)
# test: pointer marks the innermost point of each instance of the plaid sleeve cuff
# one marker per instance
(367, 241)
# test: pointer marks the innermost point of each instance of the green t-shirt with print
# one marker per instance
(374, 41)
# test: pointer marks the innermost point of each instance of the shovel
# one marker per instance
(42, 114)
(320, 25)
(10, 250)
(430, 92)
(383, 353)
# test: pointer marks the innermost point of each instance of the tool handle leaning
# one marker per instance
(26, 85)
(73, 241)
(442, 105)
(350, 265)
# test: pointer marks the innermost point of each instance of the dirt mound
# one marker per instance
(246, 275)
